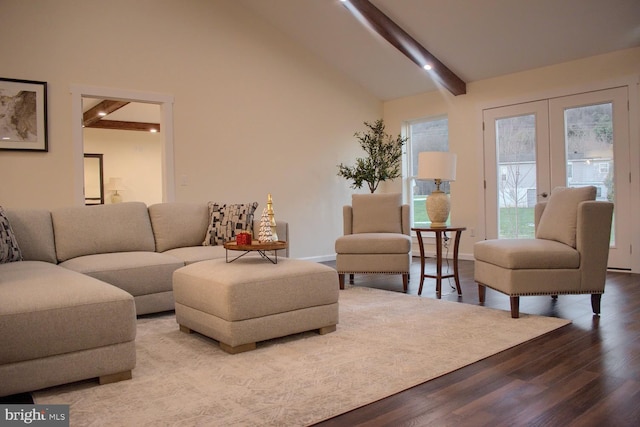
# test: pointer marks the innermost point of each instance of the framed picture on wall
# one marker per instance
(93, 179)
(23, 115)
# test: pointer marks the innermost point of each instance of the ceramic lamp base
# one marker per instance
(438, 208)
(116, 198)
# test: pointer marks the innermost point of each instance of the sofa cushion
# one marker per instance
(560, 217)
(9, 249)
(192, 254)
(377, 213)
(34, 231)
(178, 225)
(139, 273)
(516, 254)
(48, 310)
(88, 230)
(226, 220)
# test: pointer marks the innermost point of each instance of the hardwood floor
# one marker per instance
(584, 374)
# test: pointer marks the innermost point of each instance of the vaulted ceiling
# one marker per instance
(472, 39)
(475, 39)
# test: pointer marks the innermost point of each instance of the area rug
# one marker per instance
(386, 342)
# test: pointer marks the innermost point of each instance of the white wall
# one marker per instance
(253, 112)
(465, 123)
(134, 156)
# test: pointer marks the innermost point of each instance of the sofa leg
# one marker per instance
(237, 349)
(595, 303)
(515, 307)
(114, 378)
(327, 330)
(482, 291)
(405, 282)
(341, 280)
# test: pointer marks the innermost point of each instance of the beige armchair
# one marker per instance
(376, 237)
(568, 256)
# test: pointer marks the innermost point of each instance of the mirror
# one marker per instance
(93, 180)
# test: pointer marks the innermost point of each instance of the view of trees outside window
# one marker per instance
(516, 150)
(425, 135)
(589, 156)
(589, 147)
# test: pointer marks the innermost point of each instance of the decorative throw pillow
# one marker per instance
(9, 249)
(377, 213)
(559, 219)
(227, 220)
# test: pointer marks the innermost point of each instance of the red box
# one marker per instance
(243, 238)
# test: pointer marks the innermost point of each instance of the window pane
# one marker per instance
(426, 135)
(589, 148)
(516, 151)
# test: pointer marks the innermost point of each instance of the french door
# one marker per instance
(569, 141)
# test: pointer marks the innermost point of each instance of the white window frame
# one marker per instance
(410, 173)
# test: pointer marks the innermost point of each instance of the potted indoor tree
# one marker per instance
(383, 161)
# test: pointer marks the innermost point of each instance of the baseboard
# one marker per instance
(415, 253)
(322, 258)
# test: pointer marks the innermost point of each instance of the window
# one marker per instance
(603, 168)
(430, 134)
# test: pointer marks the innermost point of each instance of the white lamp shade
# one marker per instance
(437, 165)
(114, 184)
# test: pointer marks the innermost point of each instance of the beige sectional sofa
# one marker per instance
(68, 310)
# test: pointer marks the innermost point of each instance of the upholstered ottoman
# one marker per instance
(251, 300)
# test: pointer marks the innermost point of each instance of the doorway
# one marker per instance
(165, 103)
(568, 141)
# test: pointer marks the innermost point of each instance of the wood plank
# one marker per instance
(586, 373)
(98, 111)
(124, 125)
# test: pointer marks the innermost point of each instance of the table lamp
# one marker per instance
(439, 166)
(114, 185)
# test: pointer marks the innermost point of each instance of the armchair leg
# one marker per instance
(405, 282)
(515, 307)
(595, 303)
(482, 291)
(341, 280)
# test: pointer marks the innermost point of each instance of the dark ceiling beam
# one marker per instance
(122, 125)
(96, 113)
(406, 44)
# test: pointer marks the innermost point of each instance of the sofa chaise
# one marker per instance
(68, 308)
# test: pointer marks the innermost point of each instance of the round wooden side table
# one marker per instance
(439, 231)
(256, 246)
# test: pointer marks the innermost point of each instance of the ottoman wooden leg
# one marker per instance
(185, 329)
(239, 348)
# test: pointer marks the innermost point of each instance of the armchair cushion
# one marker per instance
(518, 254)
(373, 243)
(559, 219)
(377, 213)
